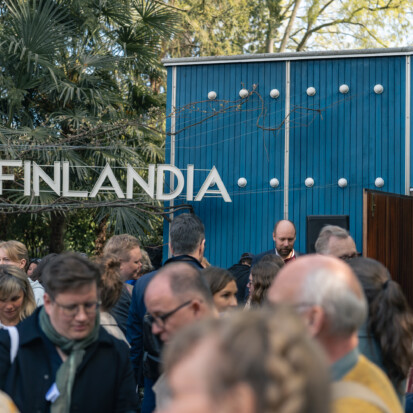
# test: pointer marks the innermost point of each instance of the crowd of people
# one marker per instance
(277, 332)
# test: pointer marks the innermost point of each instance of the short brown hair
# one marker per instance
(69, 271)
(217, 278)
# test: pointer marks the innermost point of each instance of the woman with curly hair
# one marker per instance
(387, 337)
(110, 291)
(255, 362)
(16, 296)
(261, 276)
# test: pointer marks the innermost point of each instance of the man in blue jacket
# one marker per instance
(187, 235)
(65, 361)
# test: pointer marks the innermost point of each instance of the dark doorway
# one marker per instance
(388, 235)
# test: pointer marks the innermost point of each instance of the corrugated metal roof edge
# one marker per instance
(268, 57)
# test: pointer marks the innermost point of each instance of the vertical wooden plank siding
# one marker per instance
(358, 136)
(388, 235)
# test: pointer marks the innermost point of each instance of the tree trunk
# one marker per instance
(101, 236)
(269, 41)
(4, 226)
(57, 231)
(289, 26)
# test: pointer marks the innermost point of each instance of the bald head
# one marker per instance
(327, 282)
(284, 235)
(179, 291)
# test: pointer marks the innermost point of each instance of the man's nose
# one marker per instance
(156, 330)
(81, 313)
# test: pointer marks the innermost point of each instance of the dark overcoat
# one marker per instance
(104, 381)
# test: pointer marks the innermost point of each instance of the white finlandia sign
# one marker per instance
(60, 183)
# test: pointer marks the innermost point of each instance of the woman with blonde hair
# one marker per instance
(255, 362)
(15, 253)
(16, 296)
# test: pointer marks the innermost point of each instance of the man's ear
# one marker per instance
(47, 303)
(240, 399)
(201, 249)
(273, 236)
(196, 307)
(314, 318)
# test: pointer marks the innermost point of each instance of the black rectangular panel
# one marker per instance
(316, 222)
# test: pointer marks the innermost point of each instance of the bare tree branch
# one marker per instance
(289, 26)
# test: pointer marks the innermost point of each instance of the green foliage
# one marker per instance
(78, 83)
(211, 28)
(32, 230)
(228, 27)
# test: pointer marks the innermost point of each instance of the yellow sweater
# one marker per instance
(370, 376)
(6, 404)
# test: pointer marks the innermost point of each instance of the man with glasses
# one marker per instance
(337, 242)
(65, 361)
(176, 296)
(187, 244)
(325, 291)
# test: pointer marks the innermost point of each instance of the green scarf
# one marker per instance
(65, 375)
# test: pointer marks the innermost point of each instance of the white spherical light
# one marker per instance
(309, 182)
(274, 182)
(274, 93)
(344, 89)
(212, 95)
(311, 91)
(379, 182)
(243, 93)
(242, 182)
(378, 89)
(342, 182)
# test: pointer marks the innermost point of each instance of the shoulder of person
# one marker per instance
(354, 405)
(105, 338)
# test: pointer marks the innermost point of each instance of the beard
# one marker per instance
(284, 252)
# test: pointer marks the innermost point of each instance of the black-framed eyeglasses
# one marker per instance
(160, 320)
(350, 256)
(72, 310)
(300, 306)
